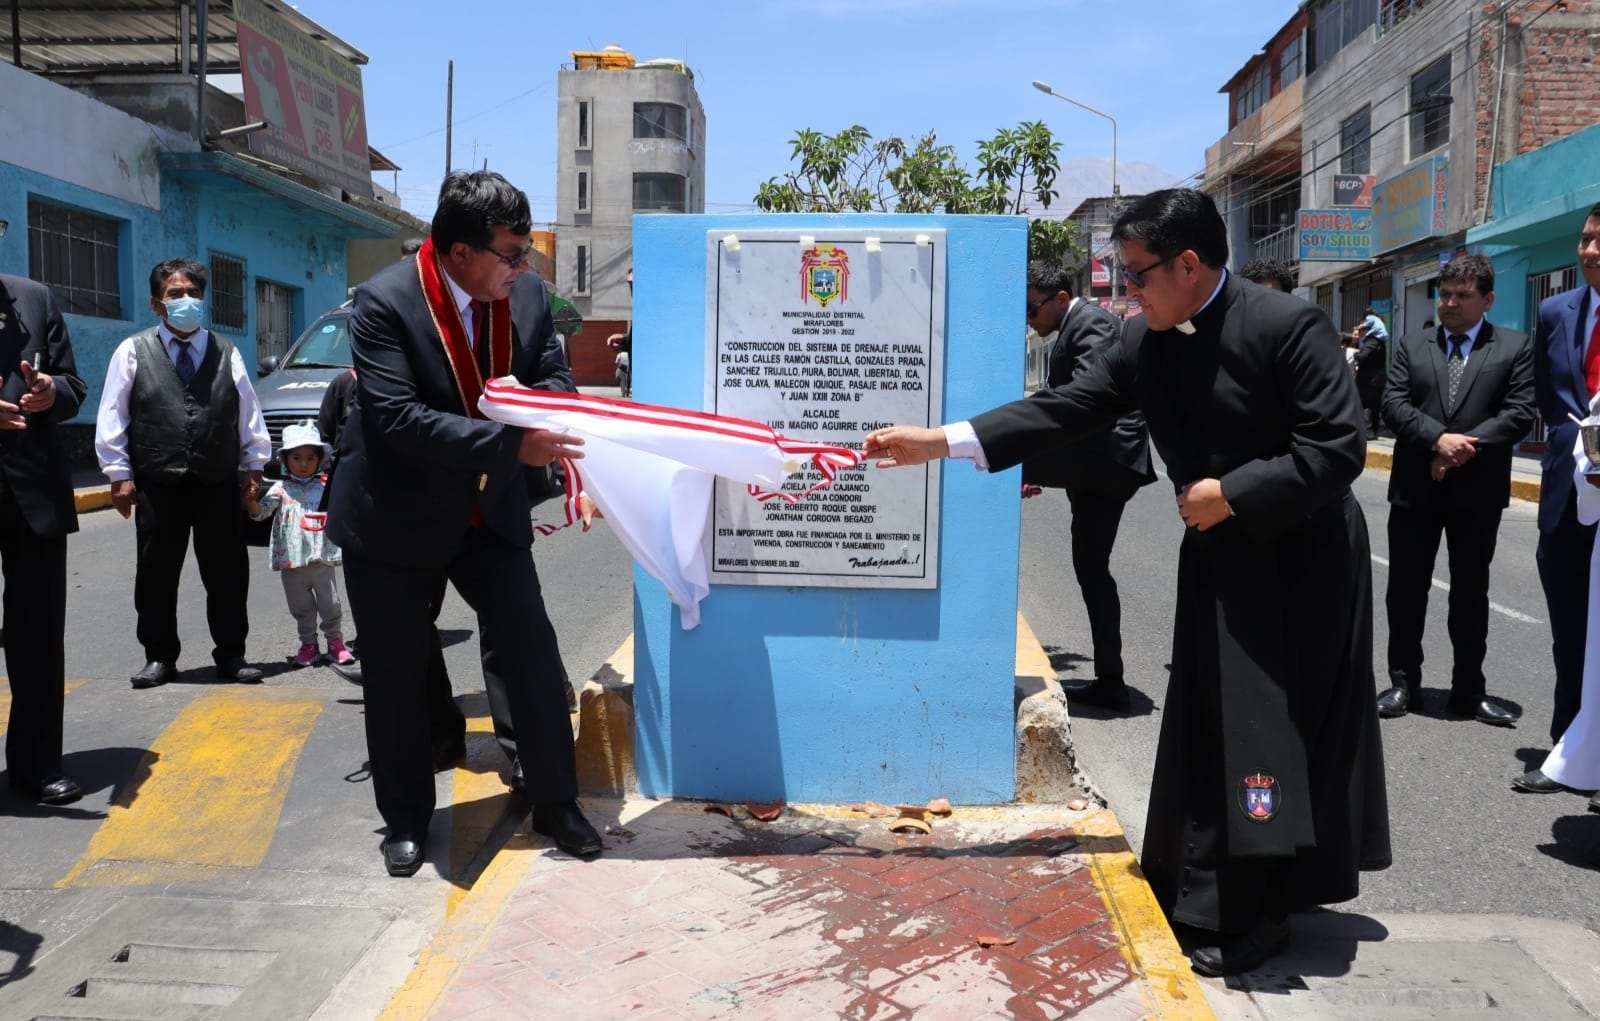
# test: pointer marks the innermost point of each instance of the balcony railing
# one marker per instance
(1392, 12)
(1279, 245)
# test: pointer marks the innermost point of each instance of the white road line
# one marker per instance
(1496, 607)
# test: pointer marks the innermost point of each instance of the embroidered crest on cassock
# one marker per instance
(1259, 797)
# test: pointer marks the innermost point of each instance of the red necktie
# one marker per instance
(1591, 361)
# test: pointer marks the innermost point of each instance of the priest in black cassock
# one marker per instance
(1268, 789)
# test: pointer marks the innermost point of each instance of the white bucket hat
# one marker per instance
(304, 434)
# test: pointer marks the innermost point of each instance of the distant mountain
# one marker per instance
(1090, 176)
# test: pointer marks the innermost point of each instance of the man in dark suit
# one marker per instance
(1267, 794)
(1566, 379)
(41, 388)
(427, 488)
(1459, 399)
(1100, 473)
(180, 435)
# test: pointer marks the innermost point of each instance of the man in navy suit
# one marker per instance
(1566, 374)
(428, 489)
(40, 389)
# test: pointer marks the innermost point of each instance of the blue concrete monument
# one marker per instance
(859, 643)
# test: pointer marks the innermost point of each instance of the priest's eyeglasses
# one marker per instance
(513, 261)
(1136, 276)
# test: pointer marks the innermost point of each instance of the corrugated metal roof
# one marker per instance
(79, 36)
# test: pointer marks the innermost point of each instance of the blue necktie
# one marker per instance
(185, 361)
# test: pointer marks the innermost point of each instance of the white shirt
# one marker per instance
(111, 422)
(467, 306)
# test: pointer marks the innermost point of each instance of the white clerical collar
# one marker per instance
(1187, 326)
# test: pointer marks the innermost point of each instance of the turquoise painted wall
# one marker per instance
(1539, 207)
(199, 214)
(818, 694)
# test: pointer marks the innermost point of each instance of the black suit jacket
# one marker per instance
(1087, 331)
(33, 466)
(1495, 403)
(1369, 363)
(413, 465)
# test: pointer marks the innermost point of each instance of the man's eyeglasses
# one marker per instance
(1136, 276)
(513, 261)
(1034, 306)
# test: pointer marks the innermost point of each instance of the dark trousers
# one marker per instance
(35, 606)
(444, 716)
(1469, 534)
(1096, 516)
(393, 606)
(1563, 558)
(165, 515)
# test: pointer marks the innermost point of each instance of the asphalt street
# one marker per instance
(1463, 840)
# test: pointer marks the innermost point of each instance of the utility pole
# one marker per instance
(449, 106)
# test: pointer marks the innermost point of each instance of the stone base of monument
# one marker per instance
(1046, 766)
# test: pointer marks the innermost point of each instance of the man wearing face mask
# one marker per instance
(181, 437)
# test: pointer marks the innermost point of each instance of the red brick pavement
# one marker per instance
(690, 915)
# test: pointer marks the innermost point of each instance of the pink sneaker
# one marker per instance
(308, 654)
(340, 654)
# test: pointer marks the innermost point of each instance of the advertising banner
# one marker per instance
(1353, 190)
(1334, 235)
(309, 95)
(1410, 207)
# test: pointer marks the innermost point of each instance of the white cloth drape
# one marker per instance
(650, 470)
(1575, 760)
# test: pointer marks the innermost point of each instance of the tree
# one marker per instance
(852, 172)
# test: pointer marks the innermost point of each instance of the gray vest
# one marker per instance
(176, 430)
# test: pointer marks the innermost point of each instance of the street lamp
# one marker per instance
(1116, 193)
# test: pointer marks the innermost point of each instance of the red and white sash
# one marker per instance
(452, 331)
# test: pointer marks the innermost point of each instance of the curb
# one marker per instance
(91, 498)
(1521, 489)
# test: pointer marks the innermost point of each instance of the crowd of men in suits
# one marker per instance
(428, 492)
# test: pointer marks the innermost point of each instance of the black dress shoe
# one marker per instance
(238, 671)
(563, 822)
(1395, 702)
(402, 854)
(154, 674)
(58, 790)
(349, 671)
(1110, 694)
(1594, 803)
(1484, 710)
(1236, 954)
(1535, 782)
(449, 752)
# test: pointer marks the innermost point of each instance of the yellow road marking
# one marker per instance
(5, 699)
(208, 793)
(479, 797)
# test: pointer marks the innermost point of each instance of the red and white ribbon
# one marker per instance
(650, 469)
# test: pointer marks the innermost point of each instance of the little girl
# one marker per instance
(301, 552)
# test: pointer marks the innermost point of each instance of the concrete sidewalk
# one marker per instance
(1025, 912)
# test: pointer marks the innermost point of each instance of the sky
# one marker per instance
(767, 68)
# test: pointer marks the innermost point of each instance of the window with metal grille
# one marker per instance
(583, 191)
(659, 193)
(659, 120)
(580, 282)
(77, 255)
(583, 124)
(1355, 143)
(225, 293)
(1430, 98)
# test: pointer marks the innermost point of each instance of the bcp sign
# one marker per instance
(1353, 190)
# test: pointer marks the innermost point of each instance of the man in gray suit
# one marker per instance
(1459, 399)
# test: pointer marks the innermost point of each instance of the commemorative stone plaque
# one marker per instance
(826, 337)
